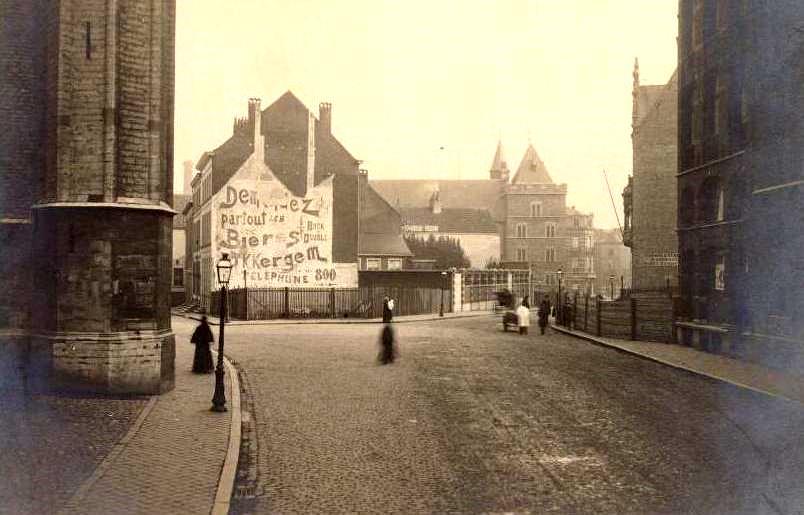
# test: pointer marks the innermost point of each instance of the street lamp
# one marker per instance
(443, 281)
(611, 287)
(224, 267)
(558, 301)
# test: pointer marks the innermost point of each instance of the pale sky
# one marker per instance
(408, 77)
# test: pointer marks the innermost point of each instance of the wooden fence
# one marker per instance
(363, 302)
(646, 317)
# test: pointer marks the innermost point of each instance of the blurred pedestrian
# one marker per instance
(387, 309)
(202, 338)
(388, 352)
(523, 318)
(544, 313)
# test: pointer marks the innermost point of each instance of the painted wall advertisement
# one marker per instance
(275, 239)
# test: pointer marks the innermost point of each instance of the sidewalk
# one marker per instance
(739, 373)
(177, 456)
(285, 321)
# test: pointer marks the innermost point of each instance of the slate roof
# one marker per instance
(531, 169)
(231, 154)
(383, 244)
(499, 159)
(476, 194)
(180, 201)
(452, 220)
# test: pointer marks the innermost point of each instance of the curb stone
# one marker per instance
(599, 341)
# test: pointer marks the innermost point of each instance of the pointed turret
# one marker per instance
(532, 170)
(499, 168)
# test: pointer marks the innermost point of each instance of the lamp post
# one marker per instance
(558, 301)
(224, 267)
(443, 280)
(611, 287)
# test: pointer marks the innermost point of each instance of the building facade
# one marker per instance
(542, 234)
(612, 263)
(87, 188)
(536, 230)
(288, 204)
(474, 229)
(650, 199)
(740, 175)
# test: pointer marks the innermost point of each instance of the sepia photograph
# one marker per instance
(420, 257)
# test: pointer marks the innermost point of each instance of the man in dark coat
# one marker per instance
(544, 313)
(202, 338)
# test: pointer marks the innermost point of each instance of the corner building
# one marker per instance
(87, 186)
(288, 203)
(542, 234)
(741, 171)
(650, 199)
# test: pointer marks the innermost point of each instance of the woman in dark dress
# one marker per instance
(387, 347)
(202, 338)
(387, 310)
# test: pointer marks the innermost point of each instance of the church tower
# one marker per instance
(499, 168)
(101, 188)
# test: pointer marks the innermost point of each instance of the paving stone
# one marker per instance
(471, 420)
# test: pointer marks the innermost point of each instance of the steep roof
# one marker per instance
(452, 194)
(531, 169)
(383, 244)
(231, 154)
(180, 201)
(454, 220)
(649, 97)
(499, 160)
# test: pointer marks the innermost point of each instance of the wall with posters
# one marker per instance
(274, 238)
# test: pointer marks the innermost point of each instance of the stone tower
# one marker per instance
(99, 189)
(499, 168)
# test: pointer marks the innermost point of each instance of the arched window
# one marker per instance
(535, 209)
(711, 202)
(521, 231)
(550, 254)
(550, 230)
(687, 207)
(521, 255)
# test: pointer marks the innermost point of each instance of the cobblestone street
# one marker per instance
(475, 420)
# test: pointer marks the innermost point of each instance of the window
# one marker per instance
(521, 254)
(720, 105)
(550, 230)
(88, 39)
(549, 279)
(576, 221)
(178, 276)
(720, 212)
(394, 264)
(535, 209)
(744, 106)
(521, 231)
(550, 254)
(373, 263)
(720, 273)
(696, 120)
(575, 243)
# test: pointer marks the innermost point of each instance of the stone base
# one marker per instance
(132, 363)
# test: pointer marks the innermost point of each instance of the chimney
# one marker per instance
(325, 117)
(255, 126)
(188, 177)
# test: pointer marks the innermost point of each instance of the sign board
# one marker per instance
(278, 239)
